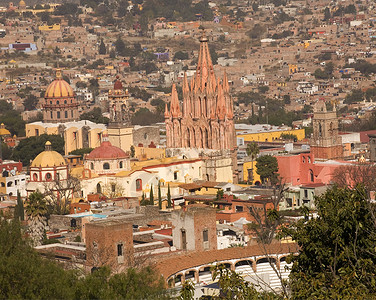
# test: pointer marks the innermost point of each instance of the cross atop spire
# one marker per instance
(204, 66)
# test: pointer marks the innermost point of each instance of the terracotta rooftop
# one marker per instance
(208, 198)
(190, 186)
(170, 266)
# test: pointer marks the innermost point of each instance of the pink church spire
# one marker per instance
(175, 107)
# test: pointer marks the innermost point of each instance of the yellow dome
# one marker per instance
(59, 88)
(22, 3)
(3, 130)
(48, 158)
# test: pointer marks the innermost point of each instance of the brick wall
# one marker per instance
(103, 239)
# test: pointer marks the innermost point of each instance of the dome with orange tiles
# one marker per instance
(106, 151)
(59, 88)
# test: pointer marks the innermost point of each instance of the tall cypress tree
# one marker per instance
(151, 198)
(159, 196)
(102, 48)
(19, 212)
(169, 203)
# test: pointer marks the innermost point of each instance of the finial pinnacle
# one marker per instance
(58, 73)
(203, 37)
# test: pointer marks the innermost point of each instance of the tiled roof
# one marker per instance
(170, 266)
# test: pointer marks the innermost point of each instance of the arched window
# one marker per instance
(65, 101)
(66, 114)
(138, 185)
(121, 165)
(57, 102)
(92, 166)
(58, 115)
(99, 188)
(10, 183)
(320, 130)
(35, 177)
(303, 159)
(48, 177)
(311, 176)
(106, 166)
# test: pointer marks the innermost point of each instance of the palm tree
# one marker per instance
(36, 210)
(252, 151)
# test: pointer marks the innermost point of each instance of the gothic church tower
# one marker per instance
(206, 117)
(205, 120)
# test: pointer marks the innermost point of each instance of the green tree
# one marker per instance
(169, 202)
(151, 196)
(24, 274)
(355, 96)
(252, 151)
(233, 286)
(19, 211)
(286, 99)
(180, 55)
(159, 195)
(145, 117)
(289, 136)
(30, 147)
(36, 210)
(12, 119)
(187, 290)
(143, 200)
(81, 152)
(213, 55)
(95, 115)
(30, 102)
(337, 248)
(267, 168)
(220, 194)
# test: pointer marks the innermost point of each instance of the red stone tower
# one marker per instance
(206, 117)
(325, 142)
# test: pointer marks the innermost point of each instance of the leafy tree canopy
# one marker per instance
(95, 115)
(12, 119)
(337, 256)
(30, 147)
(26, 275)
(81, 151)
(145, 117)
(267, 168)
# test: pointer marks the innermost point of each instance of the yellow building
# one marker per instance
(265, 134)
(54, 27)
(247, 171)
(77, 135)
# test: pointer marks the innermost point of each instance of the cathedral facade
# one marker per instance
(205, 120)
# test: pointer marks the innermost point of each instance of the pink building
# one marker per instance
(302, 169)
